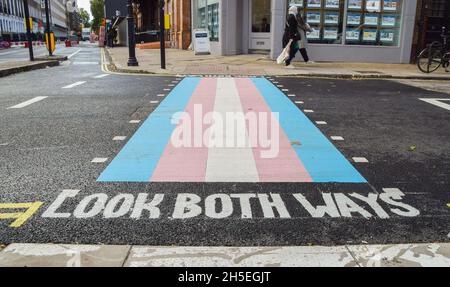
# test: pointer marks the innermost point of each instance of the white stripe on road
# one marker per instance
(225, 164)
(86, 63)
(438, 103)
(71, 55)
(74, 85)
(101, 76)
(27, 103)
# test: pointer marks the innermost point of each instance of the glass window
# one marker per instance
(325, 17)
(373, 22)
(366, 22)
(261, 16)
(207, 17)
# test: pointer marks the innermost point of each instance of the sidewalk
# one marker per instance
(9, 68)
(181, 62)
(403, 255)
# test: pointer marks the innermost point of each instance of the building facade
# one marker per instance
(344, 30)
(12, 18)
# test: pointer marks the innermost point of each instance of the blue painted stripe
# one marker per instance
(319, 156)
(138, 159)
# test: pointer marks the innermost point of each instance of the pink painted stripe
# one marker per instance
(285, 166)
(188, 164)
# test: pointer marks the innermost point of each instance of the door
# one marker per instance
(260, 25)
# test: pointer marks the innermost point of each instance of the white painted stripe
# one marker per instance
(135, 121)
(230, 164)
(299, 102)
(27, 103)
(360, 160)
(308, 111)
(161, 95)
(292, 96)
(74, 85)
(99, 160)
(438, 103)
(280, 86)
(86, 63)
(285, 90)
(101, 76)
(166, 90)
(337, 138)
(154, 102)
(321, 123)
(71, 55)
(119, 138)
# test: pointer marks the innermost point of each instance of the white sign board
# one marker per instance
(202, 45)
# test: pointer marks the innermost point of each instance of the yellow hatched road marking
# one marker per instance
(21, 217)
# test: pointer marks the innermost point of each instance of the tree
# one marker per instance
(97, 11)
(84, 15)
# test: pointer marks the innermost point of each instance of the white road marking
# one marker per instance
(71, 55)
(166, 90)
(285, 90)
(337, 138)
(161, 95)
(280, 86)
(99, 160)
(438, 103)
(321, 123)
(154, 102)
(74, 85)
(299, 102)
(119, 138)
(229, 164)
(171, 85)
(292, 96)
(101, 76)
(27, 103)
(85, 63)
(360, 160)
(308, 111)
(135, 121)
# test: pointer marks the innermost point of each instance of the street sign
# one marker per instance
(202, 46)
(167, 21)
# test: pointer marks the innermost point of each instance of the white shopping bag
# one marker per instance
(285, 53)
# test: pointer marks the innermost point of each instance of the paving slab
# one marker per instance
(239, 257)
(54, 255)
(402, 255)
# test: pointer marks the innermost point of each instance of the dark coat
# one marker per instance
(291, 30)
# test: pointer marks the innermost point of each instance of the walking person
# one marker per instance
(291, 32)
(303, 28)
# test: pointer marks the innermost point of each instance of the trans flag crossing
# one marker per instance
(190, 138)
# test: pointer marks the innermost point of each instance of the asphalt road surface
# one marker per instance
(85, 158)
(22, 54)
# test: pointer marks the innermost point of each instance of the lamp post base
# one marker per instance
(132, 62)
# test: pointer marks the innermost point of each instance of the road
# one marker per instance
(22, 54)
(91, 157)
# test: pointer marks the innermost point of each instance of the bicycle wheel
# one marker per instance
(429, 59)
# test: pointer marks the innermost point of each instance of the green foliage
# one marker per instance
(84, 15)
(97, 11)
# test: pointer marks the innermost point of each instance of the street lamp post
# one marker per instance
(132, 61)
(162, 41)
(28, 27)
(47, 28)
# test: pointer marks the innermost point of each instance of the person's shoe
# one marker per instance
(290, 66)
(310, 62)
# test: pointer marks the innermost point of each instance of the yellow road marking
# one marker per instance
(21, 217)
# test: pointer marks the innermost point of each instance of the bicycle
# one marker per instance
(435, 55)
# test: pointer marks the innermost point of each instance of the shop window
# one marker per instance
(373, 22)
(207, 17)
(352, 22)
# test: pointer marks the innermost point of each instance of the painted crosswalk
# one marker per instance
(229, 130)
